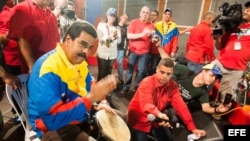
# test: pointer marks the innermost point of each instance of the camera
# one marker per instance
(70, 13)
(229, 20)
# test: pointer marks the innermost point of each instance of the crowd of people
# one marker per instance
(52, 45)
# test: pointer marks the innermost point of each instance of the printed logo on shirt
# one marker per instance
(184, 92)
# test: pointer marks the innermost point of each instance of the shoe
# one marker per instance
(16, 119)
(124, 91)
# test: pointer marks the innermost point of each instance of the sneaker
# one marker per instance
(16, 119)
(124, 90)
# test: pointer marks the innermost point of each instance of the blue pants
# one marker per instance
(142, 61)
(196, 67)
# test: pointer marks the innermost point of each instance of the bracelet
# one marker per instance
(215, 111)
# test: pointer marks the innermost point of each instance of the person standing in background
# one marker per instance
(64, 11)
(234, 54)
(122, 46)
(139, 35)
(154, 16)
(153, 52)
(38, 33)
(10, 55)
(168, 33)
(108, 36)
(200, 45)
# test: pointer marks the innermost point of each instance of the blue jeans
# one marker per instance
(142, 61)
(196, 67)
(160, 133)
(120, 58)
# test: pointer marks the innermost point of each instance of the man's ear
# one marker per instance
(68, 39)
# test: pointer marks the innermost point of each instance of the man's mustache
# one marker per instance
(83, 55)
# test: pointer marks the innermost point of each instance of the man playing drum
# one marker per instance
(61, 88)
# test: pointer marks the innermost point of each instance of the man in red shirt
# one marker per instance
(34, 27)
(10, 47)
(200, 46)
(234, 54)
(152, 97)
(139, 35)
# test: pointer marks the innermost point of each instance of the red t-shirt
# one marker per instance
(141, 45)
(35, 25)
(233, 58)
(200, 44)
(11, 50)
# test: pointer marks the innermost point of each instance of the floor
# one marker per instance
(13, 132)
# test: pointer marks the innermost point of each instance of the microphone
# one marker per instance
(151, 117)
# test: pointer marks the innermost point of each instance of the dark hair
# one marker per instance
(156, 11)
(115, 22)
(77, 27)
(167, 62)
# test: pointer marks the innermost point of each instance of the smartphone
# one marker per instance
(227, 99)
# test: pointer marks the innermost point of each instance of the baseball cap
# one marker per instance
(247, 4)
(112, 12)
(168, 10)
(214, 68)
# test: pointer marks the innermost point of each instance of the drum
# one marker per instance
(112, 127)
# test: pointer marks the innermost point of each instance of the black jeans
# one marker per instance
(104, 67)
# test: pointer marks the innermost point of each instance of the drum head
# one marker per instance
(113, 126)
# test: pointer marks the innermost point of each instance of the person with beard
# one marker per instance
(60, 81)
(234, 54)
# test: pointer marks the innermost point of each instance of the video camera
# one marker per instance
(229, 20)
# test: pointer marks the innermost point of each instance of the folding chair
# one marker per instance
(21, 97)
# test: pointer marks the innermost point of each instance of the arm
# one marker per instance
(184, 31)
(182, 110)
(146, 92)
(221, 40)
(215, 110)
(207, 108)
(26, 52)
(132, 35)
(9, 78)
